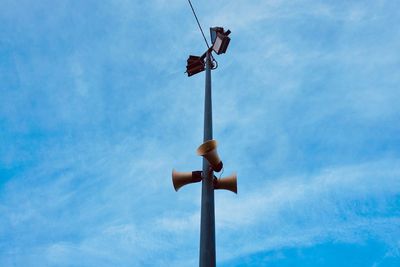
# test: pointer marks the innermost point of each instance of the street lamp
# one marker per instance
(211, 161)
(220, 41)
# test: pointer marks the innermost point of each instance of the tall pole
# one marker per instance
(207, 226)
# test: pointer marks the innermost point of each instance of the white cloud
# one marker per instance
(94, 131)
(345, 204)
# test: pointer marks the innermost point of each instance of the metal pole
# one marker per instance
(207, 227)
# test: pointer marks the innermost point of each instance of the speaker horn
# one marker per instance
(227, 183)
(209, 151)
(180, 179)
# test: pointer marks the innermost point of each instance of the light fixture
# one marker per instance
(213, 32)
(219, 39)
(194, 65)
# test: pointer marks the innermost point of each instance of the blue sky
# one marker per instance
(95, 112)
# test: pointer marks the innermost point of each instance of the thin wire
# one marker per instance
(198, 23)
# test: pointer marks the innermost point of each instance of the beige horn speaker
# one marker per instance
(180, 179)
(227, 183)
(209, 151)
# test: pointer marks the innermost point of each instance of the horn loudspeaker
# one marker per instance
(180, 179)
(227, 183)
(209, 151)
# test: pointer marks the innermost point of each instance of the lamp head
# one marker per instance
(213, 33)
(220, 39)
(194, 65)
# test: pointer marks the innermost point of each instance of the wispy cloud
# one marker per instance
(95, 111)
(345, 204)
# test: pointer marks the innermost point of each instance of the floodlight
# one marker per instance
(194, 65)
(220, 39)
(213, 33)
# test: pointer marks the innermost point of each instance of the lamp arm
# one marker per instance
(205, 53)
